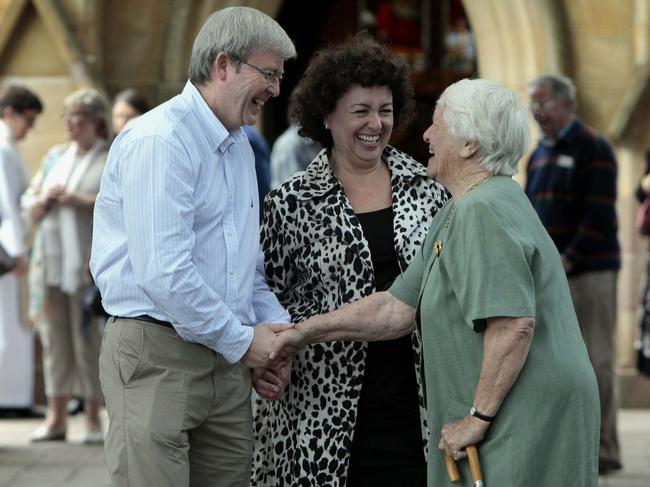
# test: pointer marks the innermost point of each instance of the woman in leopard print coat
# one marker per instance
(318, 256)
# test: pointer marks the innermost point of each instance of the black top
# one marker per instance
(387, 431)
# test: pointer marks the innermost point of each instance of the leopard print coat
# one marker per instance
(317, 259)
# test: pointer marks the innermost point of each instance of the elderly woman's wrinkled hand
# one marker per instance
(288, 343)
(257, 355)
(53, 194)
(456, 436)
(69, 199)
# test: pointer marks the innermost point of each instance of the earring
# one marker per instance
(327, 127)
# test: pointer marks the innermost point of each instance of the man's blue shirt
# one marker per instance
(176, 228)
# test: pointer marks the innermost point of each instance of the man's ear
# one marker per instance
(469, 149)
(220, 66)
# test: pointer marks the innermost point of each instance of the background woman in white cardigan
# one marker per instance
(19, 108)
(61, 198)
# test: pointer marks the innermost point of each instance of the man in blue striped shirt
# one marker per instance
(177, 259)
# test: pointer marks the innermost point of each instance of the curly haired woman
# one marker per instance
(352, 413)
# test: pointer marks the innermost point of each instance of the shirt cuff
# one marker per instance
(284, 317)
(239, 346)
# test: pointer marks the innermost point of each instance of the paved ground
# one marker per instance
(51, 464)
(72, 464)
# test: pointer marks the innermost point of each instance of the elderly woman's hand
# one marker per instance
(45, 202)
(39, 210)
(456, 436)
(52, 194)
(288, 343)
(77, 199)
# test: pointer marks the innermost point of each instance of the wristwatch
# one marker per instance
(474, 412)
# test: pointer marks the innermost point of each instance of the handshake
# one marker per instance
(269, 357)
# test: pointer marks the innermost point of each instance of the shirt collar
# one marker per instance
(218, 136)
(562, 133)
(319, 178)
(6, 133)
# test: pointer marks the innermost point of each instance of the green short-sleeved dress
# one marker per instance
(496, 259)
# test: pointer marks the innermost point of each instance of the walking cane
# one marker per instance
(474, 466)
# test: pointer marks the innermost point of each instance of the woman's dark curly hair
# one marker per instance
(334, 70)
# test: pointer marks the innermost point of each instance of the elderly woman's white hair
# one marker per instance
(485, 112)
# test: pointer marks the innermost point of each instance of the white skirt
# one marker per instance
(16, 349)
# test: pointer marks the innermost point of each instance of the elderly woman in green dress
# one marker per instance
(504, 362)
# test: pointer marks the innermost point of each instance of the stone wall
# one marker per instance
(56, 47)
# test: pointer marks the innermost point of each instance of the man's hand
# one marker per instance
(258, 354)
(288, 343)
(456, 436)
(271, 383)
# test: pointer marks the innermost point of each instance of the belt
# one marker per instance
(148, 319)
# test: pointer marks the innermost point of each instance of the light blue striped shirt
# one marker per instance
(176, 228)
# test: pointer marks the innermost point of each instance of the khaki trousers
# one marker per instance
(70, 355)
(180, 414)
(594, 299)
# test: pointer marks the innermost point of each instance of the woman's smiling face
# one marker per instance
(444, 148)
(361, 124)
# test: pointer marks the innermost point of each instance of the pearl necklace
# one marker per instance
(472, 187)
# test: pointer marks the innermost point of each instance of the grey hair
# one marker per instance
(92, 103)
(237, 31)
(485, 112)
(561, 87)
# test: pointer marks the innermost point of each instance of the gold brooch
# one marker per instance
(437, 247)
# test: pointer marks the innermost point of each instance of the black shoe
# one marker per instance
(30, 413)
(605, 467)
(20, 413)
(75, 406)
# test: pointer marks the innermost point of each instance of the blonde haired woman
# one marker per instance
(60, 200)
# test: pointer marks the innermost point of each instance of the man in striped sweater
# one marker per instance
(571, 182)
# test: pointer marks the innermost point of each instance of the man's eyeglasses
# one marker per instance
(269, 74)
(540, 106)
